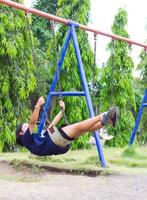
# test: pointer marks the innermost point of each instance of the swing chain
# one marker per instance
(94, 71)
(57, 69)
(95, 48)
(65, 118)
(145, 50)
(113, 54)
(49, 122)
(30, 36)
(113, 59)
(55, 58)
(46, 115)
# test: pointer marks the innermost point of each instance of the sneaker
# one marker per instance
(115, 118)
(111, 115)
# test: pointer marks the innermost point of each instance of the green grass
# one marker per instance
(130, 159)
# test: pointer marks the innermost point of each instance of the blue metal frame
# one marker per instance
(143, 105)
(71, 34)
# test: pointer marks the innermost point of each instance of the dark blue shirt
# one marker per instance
(42, 145)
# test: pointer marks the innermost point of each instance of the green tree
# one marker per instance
(42, 30)
(117, 81)
(78, 11)
(142, 130)
(42, 27)
(17, 79)
(143, 67)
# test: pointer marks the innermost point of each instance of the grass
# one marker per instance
(130, 160)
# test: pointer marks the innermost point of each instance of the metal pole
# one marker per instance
(143, 104)
(66, 22)
(87, 94)
(54, 81)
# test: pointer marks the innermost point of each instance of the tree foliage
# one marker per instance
(140, 88)
(17, 78)
(143, 67)
(117, 81)
(41, 29)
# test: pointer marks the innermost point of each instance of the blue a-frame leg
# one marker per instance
(71, 34)
(143, 104)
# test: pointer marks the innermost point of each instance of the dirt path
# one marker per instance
(25, 185)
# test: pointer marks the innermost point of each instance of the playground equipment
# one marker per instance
(71, 35)
(142, 106)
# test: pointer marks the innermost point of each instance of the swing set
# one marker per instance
(71, 35)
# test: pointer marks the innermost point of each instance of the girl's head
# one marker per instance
(20, 131)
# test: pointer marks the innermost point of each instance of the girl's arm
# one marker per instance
(35, 114)
(59, 115)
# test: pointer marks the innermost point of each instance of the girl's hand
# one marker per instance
(62, 104)
(40, 101)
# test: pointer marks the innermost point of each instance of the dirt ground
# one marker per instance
(29, 185)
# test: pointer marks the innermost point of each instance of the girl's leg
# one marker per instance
(88, 125)
(92, 124)
(96, 127)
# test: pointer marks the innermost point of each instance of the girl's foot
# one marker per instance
(111, 115)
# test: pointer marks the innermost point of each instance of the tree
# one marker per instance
(17, 78)
(139, 94)
(143, 67)
(41, 29)
(142, 136)
(40, 26)
(117, 81)
(78, 11)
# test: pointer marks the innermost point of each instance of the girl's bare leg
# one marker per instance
(96, 127)
(88, 125)
(92, 124)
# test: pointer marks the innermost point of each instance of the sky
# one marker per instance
(102, 17)
(103, 13)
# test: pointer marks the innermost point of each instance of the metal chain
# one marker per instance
(57, 70)
(94, 71)
(30, 37)
(65, 118)
(112, 75)
(46, 115)
(49, 122)
(55, 58)
(145, 50)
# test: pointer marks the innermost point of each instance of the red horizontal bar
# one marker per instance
(34, 11)
(87, 28)
(66, 22)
